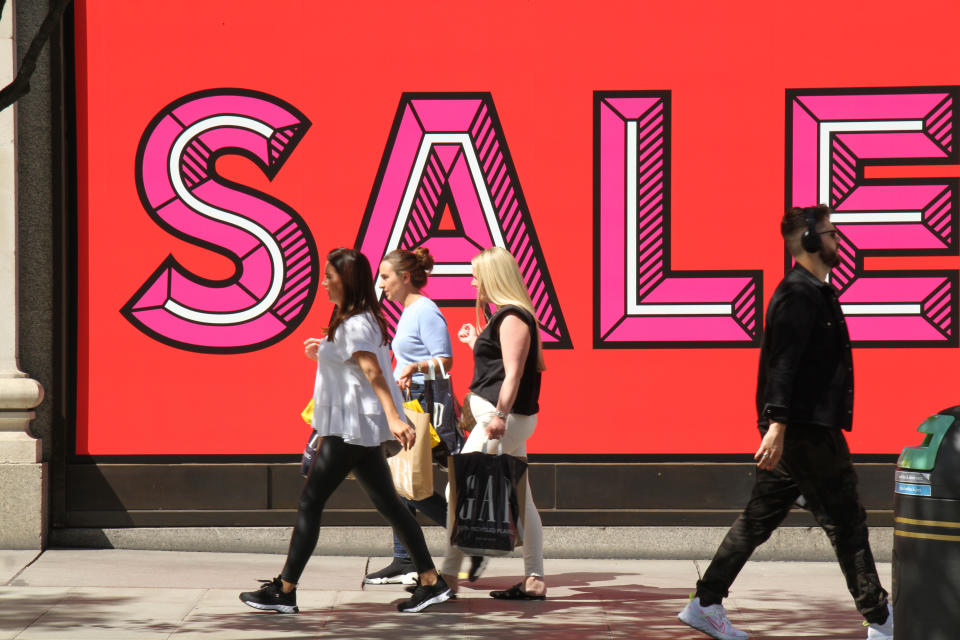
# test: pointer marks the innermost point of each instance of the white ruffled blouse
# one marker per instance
(344, 403)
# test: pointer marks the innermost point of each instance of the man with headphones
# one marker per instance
(804, 404)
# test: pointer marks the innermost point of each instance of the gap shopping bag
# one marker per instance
(487, 495)
(412, 469)
(443, 408)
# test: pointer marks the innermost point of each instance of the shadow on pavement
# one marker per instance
(69, 611)
(581, 606)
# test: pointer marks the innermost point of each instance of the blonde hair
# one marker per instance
(499, 282)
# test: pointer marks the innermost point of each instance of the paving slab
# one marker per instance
(22, 606)
(179, 569)
(127, 594)
(797, 599)
(12, 562)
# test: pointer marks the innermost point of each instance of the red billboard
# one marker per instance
(634, 157)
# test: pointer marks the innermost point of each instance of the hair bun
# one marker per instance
(424, 259)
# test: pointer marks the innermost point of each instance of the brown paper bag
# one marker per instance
(412, 469)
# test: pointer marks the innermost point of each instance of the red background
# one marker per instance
(345, 65)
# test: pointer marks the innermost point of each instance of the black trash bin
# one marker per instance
(926, 543)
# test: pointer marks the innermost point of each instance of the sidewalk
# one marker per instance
(122, 594)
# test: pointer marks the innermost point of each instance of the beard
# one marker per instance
(830, 257)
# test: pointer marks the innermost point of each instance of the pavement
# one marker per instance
(126, 594)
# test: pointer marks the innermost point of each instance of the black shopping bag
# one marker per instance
(444, 410)
(487, 495)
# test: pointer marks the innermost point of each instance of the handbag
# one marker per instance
(313, 442)
(467, 420)
(444, 409)
(309, 453)
(412, 469)
(487, 496)
(307, 414)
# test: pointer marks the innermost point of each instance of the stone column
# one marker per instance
(23, 475)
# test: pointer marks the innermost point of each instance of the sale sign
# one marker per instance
(635, 158)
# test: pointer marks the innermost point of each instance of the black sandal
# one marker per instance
(515, 592)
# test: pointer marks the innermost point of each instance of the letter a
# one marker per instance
(487, 500)
(447, 151)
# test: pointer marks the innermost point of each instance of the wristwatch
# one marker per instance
(499, 414)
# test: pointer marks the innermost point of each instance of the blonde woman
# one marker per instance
(507, 361)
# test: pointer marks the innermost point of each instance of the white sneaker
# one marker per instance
(711, 620)
(881, 631)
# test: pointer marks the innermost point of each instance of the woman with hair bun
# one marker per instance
(421, 337)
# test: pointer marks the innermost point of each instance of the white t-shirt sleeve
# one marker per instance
(358, 333)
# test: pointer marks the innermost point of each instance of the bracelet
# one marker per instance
(418, 368)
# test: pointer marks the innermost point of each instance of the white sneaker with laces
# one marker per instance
(711, 620)
(881, 631)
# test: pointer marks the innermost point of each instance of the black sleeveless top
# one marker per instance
(488, 372)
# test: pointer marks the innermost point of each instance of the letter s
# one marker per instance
(276, 260)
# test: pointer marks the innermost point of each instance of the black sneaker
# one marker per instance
(413, 588)
(270, 597)
(424, 596)
(400, 571)
(478, 565)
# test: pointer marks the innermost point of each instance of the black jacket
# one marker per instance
(806, 366)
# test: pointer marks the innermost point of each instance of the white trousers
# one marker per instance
(514, 443)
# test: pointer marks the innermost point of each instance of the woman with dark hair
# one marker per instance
(421, 340)
(356, 409)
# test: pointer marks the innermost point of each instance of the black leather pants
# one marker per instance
(815, 464)
(335, 459)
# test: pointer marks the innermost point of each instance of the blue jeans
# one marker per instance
(434, 507)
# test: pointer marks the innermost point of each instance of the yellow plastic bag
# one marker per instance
(414, 405)
(307, 413)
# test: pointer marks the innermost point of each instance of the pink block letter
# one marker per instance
(831, 135)
(448, 152)
(276, 261)
(641, 302)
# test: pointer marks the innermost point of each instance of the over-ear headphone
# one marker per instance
(810, 240)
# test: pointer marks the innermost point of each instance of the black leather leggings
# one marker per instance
(335, 459)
